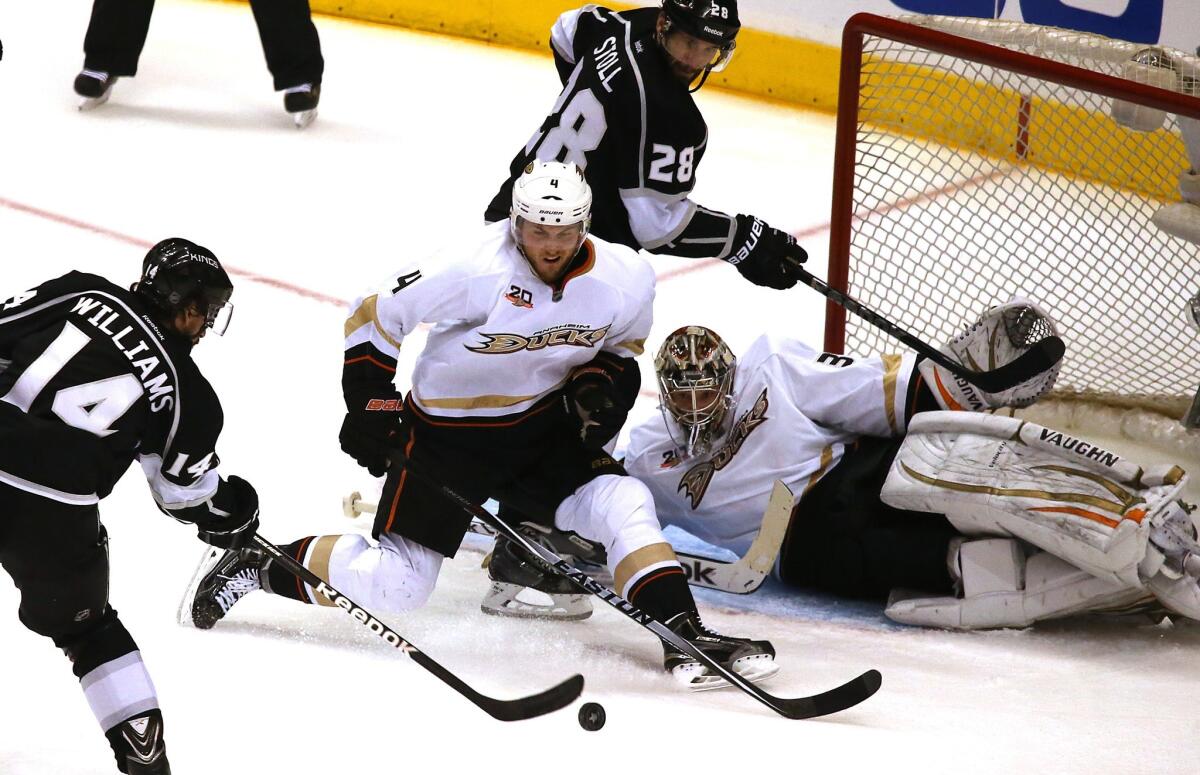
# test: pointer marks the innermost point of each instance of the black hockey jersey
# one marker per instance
(88, 382)
(634, 128)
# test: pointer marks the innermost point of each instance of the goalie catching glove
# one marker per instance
(1111, 532)
(1000, 336)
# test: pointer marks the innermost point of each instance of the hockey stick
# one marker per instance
(740, 577)
(837, 699)
(1038, 358)
(532, 706)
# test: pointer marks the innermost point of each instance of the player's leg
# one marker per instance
(415, 528)
(523, 587)
(1113, 530)
(598, 500)
(57, 556)
(293, 51)
(112, 46)
(844, 540)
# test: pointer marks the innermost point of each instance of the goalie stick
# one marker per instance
(740, 577)
(1038, 358)
(504, 710)
(834, 700)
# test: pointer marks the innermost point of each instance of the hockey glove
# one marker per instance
(237, 529)
(591, 400)
(369, 433)
(761, 253)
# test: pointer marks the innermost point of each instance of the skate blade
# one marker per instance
(506, 600)
(304, 117)
(207, 560)
(90, 103)
(698, 678)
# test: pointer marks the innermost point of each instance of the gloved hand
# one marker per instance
(368, 434)
(238, 529)
(590, 399)
(760, 253)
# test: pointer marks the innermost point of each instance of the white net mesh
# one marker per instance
(974, 183)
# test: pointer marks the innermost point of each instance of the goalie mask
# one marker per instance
(695, 371)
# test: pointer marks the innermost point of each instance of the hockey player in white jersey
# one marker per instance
(528, 371)
(966, 519)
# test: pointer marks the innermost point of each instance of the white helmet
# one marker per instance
(552, 193)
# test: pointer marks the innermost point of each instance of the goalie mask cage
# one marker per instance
(978, 159)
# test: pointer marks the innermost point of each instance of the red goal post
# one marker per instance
(979, 159)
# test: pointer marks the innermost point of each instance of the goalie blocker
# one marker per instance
(1053, 525)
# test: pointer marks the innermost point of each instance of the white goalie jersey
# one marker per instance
(795, 411)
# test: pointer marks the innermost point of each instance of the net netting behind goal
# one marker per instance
(978, 160)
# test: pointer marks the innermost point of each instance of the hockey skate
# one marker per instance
(301, 101)
(93, 88)
(222, 578)
(138, 745)
(754, 660)
(523, 587)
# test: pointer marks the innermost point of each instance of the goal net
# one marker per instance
(979, 160)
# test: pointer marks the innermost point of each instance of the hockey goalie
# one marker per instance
(959, 519)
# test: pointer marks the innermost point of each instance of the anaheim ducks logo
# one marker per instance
(695, 482)
(570, 334)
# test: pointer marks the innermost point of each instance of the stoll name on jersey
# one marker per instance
(606, 56)
(154, 375)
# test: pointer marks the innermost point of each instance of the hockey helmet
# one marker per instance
(178, 272)
(695, 371)
(713, 21)
(554, 194)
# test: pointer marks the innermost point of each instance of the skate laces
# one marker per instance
(236, 587)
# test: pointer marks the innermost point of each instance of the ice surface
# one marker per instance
(414, 135)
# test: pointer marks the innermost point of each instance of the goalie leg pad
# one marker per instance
(1171, 567)
(1000, 476)
(1001, 587)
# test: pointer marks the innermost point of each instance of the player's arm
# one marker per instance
(678, 226)
(427, 292)
(863, 395)
(602, 392)
(570, 34)
(29, 311)
(185, 482)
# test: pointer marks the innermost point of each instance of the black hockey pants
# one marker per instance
(844, 540)
(118, 28)
(57, 556)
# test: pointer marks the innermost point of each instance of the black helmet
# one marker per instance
(178, 272)
(715, 21)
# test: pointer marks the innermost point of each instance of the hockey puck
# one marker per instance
(591, 716)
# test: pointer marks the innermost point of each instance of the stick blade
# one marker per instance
(1037, 359)
(554, 698)
(835, 700)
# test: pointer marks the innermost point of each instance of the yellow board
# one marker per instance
(766, 64)
(802, 72)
